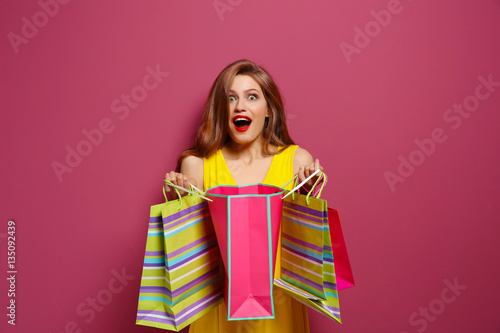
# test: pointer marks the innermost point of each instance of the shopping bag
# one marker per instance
(307, 265)
(343, 271)
(246, 221)
(180, 278)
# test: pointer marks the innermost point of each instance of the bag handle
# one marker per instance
(323, 183)
(313, 187)
(189, 191)
(322, 175)
(301, 184)
(178, 194)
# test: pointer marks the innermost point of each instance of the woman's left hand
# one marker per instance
(306, 171)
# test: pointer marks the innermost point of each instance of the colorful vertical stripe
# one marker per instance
(180, 278)
(307, 267)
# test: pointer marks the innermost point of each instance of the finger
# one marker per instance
(306, 173)
(315, 167)
(311, 168)
(168, 178)
(179, 182)
(302, 176)
(172, 177)
(174, 180)
(185, 183)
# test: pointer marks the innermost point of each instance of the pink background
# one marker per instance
(357, 113)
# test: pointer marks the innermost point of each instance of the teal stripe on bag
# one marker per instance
(308, 225)
(303, 286)
(169, 302)
(184, 228)
(302, 250)
(190, 253)
(154, 260)
(270, 252)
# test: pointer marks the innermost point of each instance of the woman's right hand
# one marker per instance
(178, 179)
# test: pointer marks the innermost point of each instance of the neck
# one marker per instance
(250, 150)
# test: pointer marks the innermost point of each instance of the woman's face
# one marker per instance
(247, 110)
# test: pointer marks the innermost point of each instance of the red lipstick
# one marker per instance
(241, 123)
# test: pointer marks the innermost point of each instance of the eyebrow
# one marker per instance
(251, 89)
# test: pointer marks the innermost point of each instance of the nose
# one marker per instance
(240, 105)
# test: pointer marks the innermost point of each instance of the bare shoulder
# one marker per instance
(301, 157)
(192, 167)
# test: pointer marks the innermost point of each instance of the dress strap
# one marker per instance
(281, 170)
(215, 171)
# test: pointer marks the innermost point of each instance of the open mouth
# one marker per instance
(241, 123)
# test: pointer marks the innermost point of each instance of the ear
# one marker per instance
(267, 113)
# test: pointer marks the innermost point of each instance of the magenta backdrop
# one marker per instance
(398, 99)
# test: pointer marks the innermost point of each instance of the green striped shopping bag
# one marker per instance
(307, 268)
(180, 278)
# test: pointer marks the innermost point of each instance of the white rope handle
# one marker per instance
(300, 185)
(291, 180)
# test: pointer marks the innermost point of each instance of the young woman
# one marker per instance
(243, 139)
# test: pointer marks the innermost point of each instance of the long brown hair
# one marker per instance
(213, 132)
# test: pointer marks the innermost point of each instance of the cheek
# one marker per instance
(262, 109)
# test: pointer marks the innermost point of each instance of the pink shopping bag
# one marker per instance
(343, 269)
(246, 221)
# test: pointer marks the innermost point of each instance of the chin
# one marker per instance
(244, 140)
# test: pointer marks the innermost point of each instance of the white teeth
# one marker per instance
(241, 122)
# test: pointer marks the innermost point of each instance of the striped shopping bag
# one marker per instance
(180, 278)
(307, 268)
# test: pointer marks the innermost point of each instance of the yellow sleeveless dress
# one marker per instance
(290, 315)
